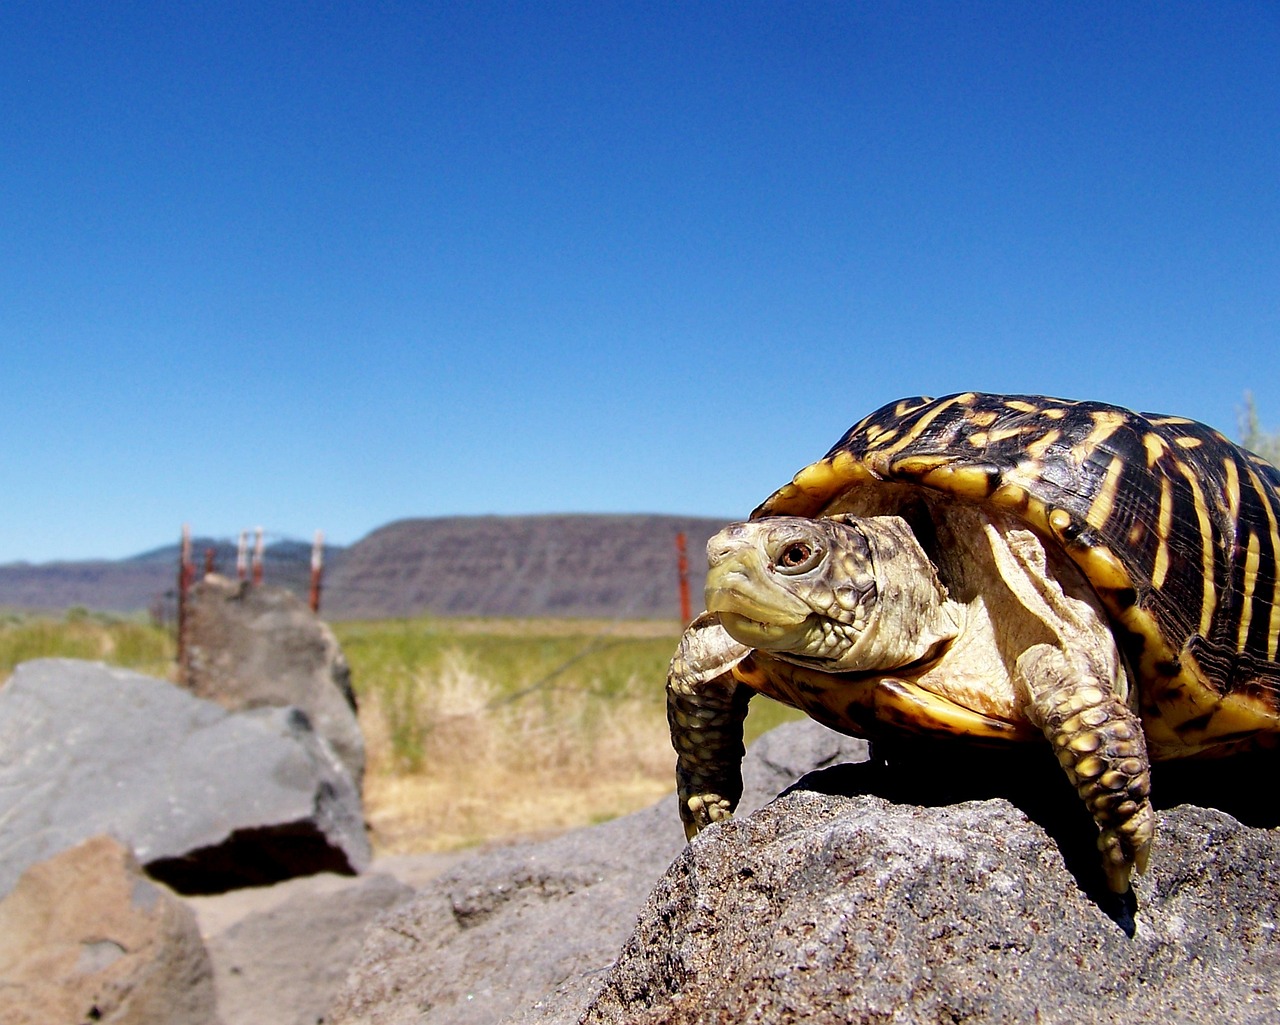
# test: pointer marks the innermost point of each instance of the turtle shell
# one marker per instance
(1176, 528)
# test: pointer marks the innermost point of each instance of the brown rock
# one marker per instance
(248, 646)
(84, 936)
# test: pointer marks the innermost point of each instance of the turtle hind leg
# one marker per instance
(1099, 743)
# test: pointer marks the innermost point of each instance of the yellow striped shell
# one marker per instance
(1177, 529)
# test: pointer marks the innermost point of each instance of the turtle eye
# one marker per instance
(797, 557)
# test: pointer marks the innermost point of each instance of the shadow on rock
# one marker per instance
(937, 774)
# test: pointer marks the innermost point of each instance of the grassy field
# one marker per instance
(476, 730)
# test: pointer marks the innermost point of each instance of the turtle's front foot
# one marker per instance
(701, 810)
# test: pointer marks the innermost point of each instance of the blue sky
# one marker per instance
(326, 265)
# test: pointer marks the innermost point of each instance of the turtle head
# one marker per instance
(844, 594)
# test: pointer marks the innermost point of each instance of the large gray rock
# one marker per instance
(829, 909)
(207, 799)
(85, 937)
(524, 933)
(284, 964)
(916, 905)
(252, 646)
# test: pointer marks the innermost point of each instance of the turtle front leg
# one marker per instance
(1099, 742)
(705, 709)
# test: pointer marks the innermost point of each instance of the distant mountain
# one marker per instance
(520, 566)
(143, 582)
(569, 565)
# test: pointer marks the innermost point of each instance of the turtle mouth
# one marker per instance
(759, 634)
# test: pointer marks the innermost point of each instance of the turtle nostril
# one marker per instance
(725, 543)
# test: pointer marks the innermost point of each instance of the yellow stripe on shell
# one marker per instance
(1164, 524)
(1104, 502)
(1187, 442)
(1252, 558)
(1105, 423)
(1156, 447)
(921, 425)
(1022, 407)
(1232, 490)
(1273, 635)
(968, 483)
(1039, 448)
(1209, 600)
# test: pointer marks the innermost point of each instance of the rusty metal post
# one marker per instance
(682, 564)
(186, 573)
(317, 571)
(209, 566)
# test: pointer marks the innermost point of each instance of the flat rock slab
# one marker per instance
(829, 909)
(207, 799)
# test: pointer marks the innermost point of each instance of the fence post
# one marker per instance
(682, 564)
(186, 572)
(317, 570)
(242, 556)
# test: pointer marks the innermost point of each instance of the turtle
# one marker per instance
(999, 569)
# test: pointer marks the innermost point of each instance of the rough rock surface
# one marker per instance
(84, 936)
(206, 798)
(251, 646)
(524, 933)
(285, 964)
(830, 909)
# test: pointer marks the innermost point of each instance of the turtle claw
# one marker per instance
(1125, 847)
(702, 810)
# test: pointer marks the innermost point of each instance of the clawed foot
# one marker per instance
(701, 810)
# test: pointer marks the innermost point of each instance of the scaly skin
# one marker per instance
(705, 709)
(1100, 745)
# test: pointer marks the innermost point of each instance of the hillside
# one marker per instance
(569, 565)
(520, 566)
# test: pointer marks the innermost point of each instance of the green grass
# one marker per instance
(549, 663)
(131, 643)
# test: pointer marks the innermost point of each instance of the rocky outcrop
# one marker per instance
(824, 908)
(251, 646)
(85, 937)
(867, 892)
(524, 933)
(207, 799)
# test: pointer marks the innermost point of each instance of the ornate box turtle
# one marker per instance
(1000, 568)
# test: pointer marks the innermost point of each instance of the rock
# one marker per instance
(523, 934)
(491, 936)
(252, 646)
(825, 908)
(206, 798)
(84, 936)
(285, 964)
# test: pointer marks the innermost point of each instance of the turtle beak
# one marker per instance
(742, 586)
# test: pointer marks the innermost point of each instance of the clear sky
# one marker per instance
(326, 265)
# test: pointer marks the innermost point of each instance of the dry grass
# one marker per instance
(457, 759)
(479, 730)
